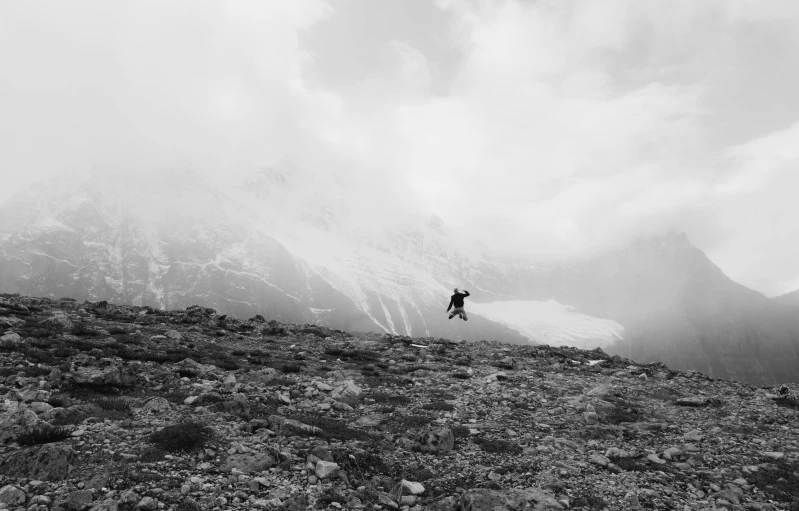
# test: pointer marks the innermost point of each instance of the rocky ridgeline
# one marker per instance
(118, 408)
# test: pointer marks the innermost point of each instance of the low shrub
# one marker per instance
(291, 368)
(44, 435)
(184, 437)
(630, 464)
(59, 401)
(459, 431)
(498, 446)
(84, 330)
(442, 406)
(623, 412)
(779, 481)
(227, 364)
(403, 423)
(386, 398)
(64, 352)
(116, 404)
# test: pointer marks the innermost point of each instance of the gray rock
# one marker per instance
(347, 391)
(15, 419)
(106, 505)
(12, 496)
(248, 463)
(325, 469)
(322, 453)
(48, 462)
(10, 338)
(174, 335)
(79, 500)
(150, 504)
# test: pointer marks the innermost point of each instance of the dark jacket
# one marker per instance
(457, 300)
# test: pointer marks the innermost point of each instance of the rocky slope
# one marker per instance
(125, 407)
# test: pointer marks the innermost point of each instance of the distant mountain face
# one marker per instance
(791, 298)
(271, 247)
(286, 244)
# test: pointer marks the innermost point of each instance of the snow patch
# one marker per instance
(553, 323)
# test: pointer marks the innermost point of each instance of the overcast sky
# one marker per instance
(551, 126)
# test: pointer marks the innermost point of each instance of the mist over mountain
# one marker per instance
(791, 298)
(290, 245)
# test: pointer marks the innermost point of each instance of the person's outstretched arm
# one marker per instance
(450, 305)
(465, 293)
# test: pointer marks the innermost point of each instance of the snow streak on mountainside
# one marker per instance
(554, 324)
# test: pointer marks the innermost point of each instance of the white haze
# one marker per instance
(550, 128)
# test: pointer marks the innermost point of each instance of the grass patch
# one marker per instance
(460, 431)
(113, 404)
(386, 398)
(228, 364)
(291, 368)
(622, 411)
(498, 446)
(779, 481)
(631, 464)
(407, 422)
(45, 435)
(441, 406)
(384, 380)
(184, 437)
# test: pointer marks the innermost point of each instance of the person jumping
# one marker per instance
(457, 302)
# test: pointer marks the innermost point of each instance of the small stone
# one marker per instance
(80, 499)
(220, 501)
(148, 504)
(174, 335)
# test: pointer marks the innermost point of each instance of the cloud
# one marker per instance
(554, 128)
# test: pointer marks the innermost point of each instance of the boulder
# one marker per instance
(348, 391)
(79, 500)
(12, 496)
(16, 418)
(48, 462)
(325, 469)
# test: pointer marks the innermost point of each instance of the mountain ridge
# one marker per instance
(277, 247)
